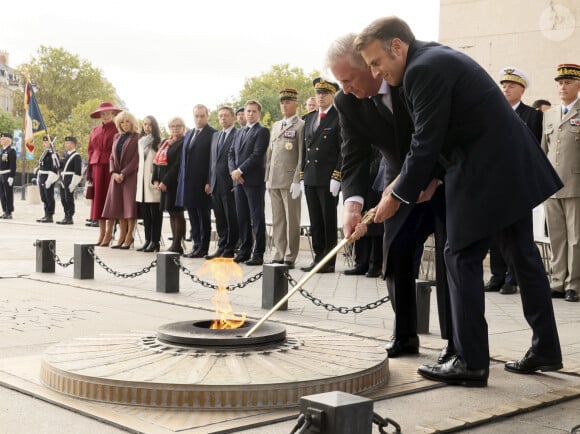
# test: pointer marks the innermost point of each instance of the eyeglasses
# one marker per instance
(176, 126)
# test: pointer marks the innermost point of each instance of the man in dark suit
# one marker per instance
(192, 179)
(513, 82)
(372, 115)
(221, 187)
(247, 165)
(463, 122)
(321, 166)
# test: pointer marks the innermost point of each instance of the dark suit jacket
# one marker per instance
(250, 155)
(532, 118)
(219, 178)
(194, 169)
(363, 127)
(321, 151)
(169, 175)
(462, 120)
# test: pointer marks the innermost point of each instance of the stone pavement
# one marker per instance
(38, 310)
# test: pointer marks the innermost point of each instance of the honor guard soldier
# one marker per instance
(71, 177)
(321, 172)
(46, 177)
(7, 173)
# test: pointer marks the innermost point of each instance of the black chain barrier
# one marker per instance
(205, 284)
(302, 424)
(117, 273)
(332, 308)
(57, 259)
(575, 430)
(383, 422)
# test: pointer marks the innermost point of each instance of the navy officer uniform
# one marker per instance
(7, 174)
(46, 178)
(72, 166)
(321, 172)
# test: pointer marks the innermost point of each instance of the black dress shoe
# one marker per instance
(455, 371)
(217, 254)
(373, 273)
(532, 362)
(276, 261)
(309, 267)
(257, 260)
(571, 295)
(493, 285)
(289, 264)
(196, 254)
(399, 346)
(144, 246)
(447, 353)
(40, 220)
(508, 289)
(241, 258)
(152, 247)
(48, 220)
(7, 216)
(327, 269)
(356, 271)
(228, 255)
(65, 221)
(557, 294)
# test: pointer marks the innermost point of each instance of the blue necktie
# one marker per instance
(565, 110)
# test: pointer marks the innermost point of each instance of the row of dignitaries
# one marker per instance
(372, 115)
(466, 135)
(514, 83)
(321, 172)
(7, 174)
(561, 142)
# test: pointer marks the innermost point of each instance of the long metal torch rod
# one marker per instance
(367, 218)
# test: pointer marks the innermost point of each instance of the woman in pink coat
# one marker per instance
(120, 203)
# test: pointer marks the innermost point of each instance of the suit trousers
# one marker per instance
(200, 221)
(368, 252)
(401, 269)
(46, 196)
(323, 221)
(563, 218)
(226, 221)
(285, 224)
(6, 195)
(152, 220)
(251, 219)
(465, 272)
(500, 272)
(67, 199)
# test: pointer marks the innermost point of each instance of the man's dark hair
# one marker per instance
(385, 30)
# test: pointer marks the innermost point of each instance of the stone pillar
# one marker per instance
(84, 263)
(274, 285)
(167, 272)
(44, 257)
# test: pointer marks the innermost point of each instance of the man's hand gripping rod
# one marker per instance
(367, 218)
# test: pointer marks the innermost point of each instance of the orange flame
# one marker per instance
(223, 270)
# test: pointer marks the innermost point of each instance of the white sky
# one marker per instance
(166, 57)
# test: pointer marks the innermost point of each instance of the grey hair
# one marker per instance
(342, 47)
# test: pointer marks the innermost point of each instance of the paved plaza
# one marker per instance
(40, 310)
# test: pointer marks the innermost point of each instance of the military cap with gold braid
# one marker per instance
(568, 70)
(328, 86)
(514, 75)
(289, 93)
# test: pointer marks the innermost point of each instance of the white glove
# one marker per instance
(295, 190)
(334, 187)
(10, 181)
(76, 179)
(51, 178)
(302, 188)
(268, 185)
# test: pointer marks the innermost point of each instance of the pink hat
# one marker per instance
(103, 107)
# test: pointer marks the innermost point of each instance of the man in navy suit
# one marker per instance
(464, 123)
(220, 186)
(247, 165)
(192, 179)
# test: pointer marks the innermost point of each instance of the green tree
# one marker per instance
(266, 89)
(9, 122)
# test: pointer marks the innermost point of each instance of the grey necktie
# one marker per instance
(193, 136)
(221, 141)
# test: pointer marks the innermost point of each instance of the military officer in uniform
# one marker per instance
(7, 174)
(283, 165)
(46, 177)
(561, 142)
(321, 172)
(71, 176)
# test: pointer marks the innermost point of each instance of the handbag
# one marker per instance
(89, 191)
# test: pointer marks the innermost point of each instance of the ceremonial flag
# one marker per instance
(33, 123)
